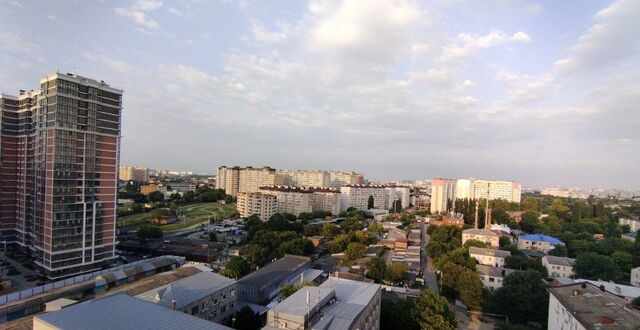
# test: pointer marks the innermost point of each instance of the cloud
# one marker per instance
(13, 42)
(368, 30)
(466, 45)
(261, 34)
(137, 13)
(525, 89)
(610, 41)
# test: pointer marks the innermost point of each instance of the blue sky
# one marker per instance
(545, 92)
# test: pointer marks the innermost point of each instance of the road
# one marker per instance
(430, 279)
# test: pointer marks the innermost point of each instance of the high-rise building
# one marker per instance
(338, 179)
(130, 173)
(305, 178)
(260, 204)
(296, 200)
(60, 155)
(236, 180)
(357, 196)
(443, 191)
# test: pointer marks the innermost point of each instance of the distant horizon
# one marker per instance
(542, 92)
(524, 186)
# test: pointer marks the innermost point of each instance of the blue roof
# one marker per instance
(541, 238)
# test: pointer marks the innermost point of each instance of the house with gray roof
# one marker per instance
(489, 257)
(558, 266)
(492, 277)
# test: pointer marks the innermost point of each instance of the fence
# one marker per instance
(15, 296)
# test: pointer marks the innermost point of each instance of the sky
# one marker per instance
(545, 93)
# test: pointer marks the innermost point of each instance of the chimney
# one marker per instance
(476, 224)
(173, 304)
(602, 287)
(487, 216)
(584, 285)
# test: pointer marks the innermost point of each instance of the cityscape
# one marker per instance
(347, 164)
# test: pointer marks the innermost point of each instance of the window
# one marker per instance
(491, 279)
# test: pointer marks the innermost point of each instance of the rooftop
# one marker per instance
(560, 261)
(493, 271)
(596, 309)
(187, 290)
(489, 252)
(541, 238)
(158, 280)
(274, 272)
(120, 311)
(479, 232)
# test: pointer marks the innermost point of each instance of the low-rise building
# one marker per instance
(492, 277)
(264, 284)
(263, 205)
(336, 304)
(120, 311)
(633, 222)
(558, 266)
(489, 257)
(482, 235)
(584, 306)
(538, 242)
(206, 295)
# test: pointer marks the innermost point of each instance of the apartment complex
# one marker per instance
(357, 196)
(335, 304)
(446, 191)
(443, 191)
(130, 173)
(260, 204)
(296, 200)
(58, 180)
(237, 179)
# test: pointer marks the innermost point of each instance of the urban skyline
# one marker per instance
(523, 90)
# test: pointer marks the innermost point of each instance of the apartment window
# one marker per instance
(491, 279)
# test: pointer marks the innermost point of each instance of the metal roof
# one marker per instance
(540, 238)
(274, 272)
(187, 290)
(489, 252)
(121, 311)
(561, 261)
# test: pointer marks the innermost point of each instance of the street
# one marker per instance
(426, 266)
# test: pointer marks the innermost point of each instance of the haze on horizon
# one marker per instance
(545, 93)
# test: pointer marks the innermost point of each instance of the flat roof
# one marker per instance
(121, 311)
(493, 271)
(187, 290)
(561, 261)
(596, 309)
(274, 272)
(484, 232)
(489, 252)
(540, 238)
(157, 280)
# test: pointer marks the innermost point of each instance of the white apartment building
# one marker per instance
(632, 222)
(326, 199)
(489, 257)
(335, 304)
(492, 277)
(130, 173)
(584, 306)
(263, 205)
(491, 189)
(482, 235)
(291, 200)
(442, 191)
(338, 179)
(383, 197)
(402, 193)
(558, 266)
(235, 179)
(538, 242)
(305, 178)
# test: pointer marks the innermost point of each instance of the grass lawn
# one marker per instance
(197, 213)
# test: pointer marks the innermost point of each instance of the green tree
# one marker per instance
(443, 239)
(239, 265)
(398, 315)
(376, 228)
(559, 251)
(397, 272)
(355, 251)
(522, 298)
(432, 311)
(370, 202)
(376, 269)
(149, 231)
(155, 197)
(329, 230)
(470, 289)
(459, 256)
(624, 260)
(594, 266)
(530, 204)
(246, 319)
(230, 273)
(299, 246)
(504, 241)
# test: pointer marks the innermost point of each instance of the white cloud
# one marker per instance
(51, 18)
(521, 37)
(371, 30)
(468, 83)
(13, 42)
(466, 45)
(611, 40)
(137, 13)
(262, 34)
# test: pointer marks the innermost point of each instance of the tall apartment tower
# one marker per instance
(58, 174)
(442, 191)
